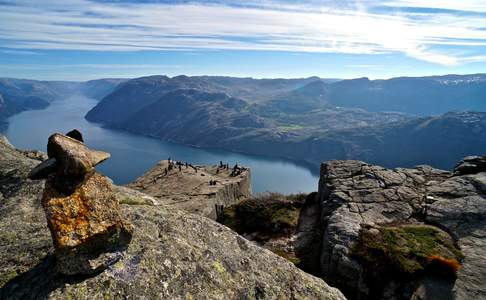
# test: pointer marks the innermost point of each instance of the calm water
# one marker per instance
(132, 155)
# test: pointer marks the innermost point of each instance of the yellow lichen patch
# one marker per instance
(217, 265)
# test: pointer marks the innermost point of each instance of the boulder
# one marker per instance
(471, 165)
(362, 203)
(75, 134)
(73, 157)
(87, 229)
(44, 169)
(82, 211)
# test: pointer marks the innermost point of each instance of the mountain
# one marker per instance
(194, 117)
(416, 95)
(380, 121)
(438, 141)
(53, 90)
(46, 90)
(99, 88)
(10, 105)
(17, 95)
(135, 94)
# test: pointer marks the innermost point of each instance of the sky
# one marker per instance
(83, 39)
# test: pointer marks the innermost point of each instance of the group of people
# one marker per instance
(173, 164)
(237, 170)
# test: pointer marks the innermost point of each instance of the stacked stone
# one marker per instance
(82, 212)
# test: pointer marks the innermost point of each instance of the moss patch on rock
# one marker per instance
(269, 219)
(407, 249)
(267, 213)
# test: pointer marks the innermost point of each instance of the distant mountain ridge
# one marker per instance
(310, 119)
(17, 95)
(417, 95)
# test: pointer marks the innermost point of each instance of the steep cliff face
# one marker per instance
(376, 240)
(173, 255)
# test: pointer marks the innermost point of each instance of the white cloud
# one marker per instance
(310, 27)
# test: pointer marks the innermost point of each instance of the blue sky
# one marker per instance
(82, 39)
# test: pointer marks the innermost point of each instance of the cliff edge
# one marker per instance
(172, 254)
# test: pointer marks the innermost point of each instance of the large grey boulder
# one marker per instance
(356, 196)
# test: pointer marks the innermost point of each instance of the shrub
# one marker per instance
(270, 212)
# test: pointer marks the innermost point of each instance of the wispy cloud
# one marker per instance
(353, 27)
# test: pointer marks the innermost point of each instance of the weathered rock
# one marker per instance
(44, 169)
(24, 237)
(87, 229)
(459, 206)
(75, 134)
(173, 255)
(471, 165)
(356, 196)
(72, 156)
(129, 196)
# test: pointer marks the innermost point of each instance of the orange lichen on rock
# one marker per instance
(82, 211)
(446, 265)
(89, 210)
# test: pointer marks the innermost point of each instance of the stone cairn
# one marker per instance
(82, 213)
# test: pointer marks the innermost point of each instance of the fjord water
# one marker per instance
(132, 155)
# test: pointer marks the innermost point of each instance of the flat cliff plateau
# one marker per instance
(195, 188)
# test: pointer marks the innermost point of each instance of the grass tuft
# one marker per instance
(408, 249)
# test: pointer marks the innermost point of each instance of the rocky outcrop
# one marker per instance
(172, 255)
(82, 211)
(194, 188)
(362, 202)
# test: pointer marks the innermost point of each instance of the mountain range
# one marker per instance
(400, 121)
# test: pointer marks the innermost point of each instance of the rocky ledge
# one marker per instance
(404, 233)
(203, 190)
(172, 254)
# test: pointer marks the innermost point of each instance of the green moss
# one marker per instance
(284, 215)
(230, 219)
(287, 255)
(7, 277)
(133, 201)
(271, 212)
(405, 248)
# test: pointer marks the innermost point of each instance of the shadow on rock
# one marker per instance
(39, 282)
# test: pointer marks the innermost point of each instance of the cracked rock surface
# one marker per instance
(355, 195)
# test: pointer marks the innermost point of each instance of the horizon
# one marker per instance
(81, 40)
(242, 77)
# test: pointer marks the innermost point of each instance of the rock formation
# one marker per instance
(189, 187)
(172, 255)
(377, 233)
(82, 211)
(362, 204)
